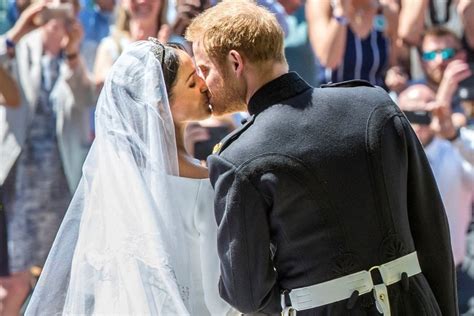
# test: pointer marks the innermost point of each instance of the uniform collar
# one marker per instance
(275, 91)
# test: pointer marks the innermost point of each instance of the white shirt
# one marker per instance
(465, 144)
(455, 179)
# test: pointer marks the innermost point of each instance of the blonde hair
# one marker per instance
(241, 25)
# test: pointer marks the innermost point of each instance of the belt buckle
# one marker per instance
(289, 311)
(379, 268)
(381, 294)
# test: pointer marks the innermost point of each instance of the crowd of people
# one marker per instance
(55, 56)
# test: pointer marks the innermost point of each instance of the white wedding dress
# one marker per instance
(194, 206)
(136, 238)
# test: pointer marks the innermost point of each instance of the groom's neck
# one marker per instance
(260, 74)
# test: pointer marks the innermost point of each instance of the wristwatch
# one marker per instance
(10, 45)
(456, 135)
(341, 19)
(337, 14)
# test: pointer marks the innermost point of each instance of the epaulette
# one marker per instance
(218, 148)
(348, 84)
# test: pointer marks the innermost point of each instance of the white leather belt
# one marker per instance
(342, 288)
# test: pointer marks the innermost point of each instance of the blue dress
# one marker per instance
(36, 191)
(363, 59)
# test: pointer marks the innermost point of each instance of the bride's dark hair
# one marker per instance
(169, 61)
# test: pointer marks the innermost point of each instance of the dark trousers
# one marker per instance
(465, 289)
(4, 271)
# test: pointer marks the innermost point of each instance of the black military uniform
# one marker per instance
(321, 183)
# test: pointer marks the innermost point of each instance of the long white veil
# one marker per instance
(117, 247)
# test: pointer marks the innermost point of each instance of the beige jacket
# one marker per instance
(71, 97)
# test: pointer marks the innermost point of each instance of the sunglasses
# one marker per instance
(446, 53)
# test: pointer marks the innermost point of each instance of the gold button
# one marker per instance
(216, 148)
(382, 297)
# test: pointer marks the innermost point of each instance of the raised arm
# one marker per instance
(23, 26)
(326, 34)
(25, 22)
(466, 12)
(74, 70)
(9, 93)
(412, 21)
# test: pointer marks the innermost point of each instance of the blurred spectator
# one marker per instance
(277, 9)
(136, 20)
(353, 39)
(291, 6)
(416, 15)
(412, 21)
(4, 22)
(465, 9)
(186, 10)
(458, 16)
(96, 17)
(454, 176)
(15, 8)
(274, 7)
(298, 51)
(9, 94)
(201, 137)
(468, 107)
(444, 65)
(411, 24)
(4, 264)
(180, 13)
(42, 139)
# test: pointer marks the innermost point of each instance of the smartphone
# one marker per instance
(466, 87)
(419, 117)
(58, 11)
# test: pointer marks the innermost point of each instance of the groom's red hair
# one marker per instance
(239, 25)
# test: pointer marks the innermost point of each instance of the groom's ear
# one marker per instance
(236, 61)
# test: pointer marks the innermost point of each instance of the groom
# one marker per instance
(325, 200)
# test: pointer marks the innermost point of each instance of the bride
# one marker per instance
(139, 236)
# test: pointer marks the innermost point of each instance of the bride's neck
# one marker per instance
(179, 130)
(187, 165)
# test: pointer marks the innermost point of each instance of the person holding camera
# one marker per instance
(136, 20)
(453, 174)
(444, 64)
(43, 139)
